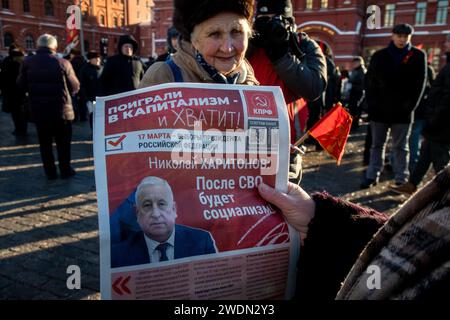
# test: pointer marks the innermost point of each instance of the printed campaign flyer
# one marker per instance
(180, 217)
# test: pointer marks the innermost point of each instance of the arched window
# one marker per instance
(26, 5)
(5, 4)
(102, 20)
(115, 22)
(8, 39)
(48, 7)
(29, 42)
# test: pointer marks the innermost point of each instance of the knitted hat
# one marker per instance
(278, 7)
(92, 54)
(403, 28)
(187, 14)
(171, 33)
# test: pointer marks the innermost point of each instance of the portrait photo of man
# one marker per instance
(159, 238)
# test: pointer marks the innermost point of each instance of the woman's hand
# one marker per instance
(297, 206)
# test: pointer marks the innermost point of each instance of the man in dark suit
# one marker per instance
(160, 239)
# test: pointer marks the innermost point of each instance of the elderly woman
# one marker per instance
(214, 39)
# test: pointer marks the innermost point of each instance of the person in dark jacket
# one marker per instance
(350, 252)
(124, 71)
(356, 97)
(172, 44)
(13, 96)
(90, 82)
(420, 115)
(395, 82)
(282, 57)
(78, 61)
(435, 147)
(333, 75)
(50, 82)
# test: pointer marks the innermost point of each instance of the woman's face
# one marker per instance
(222, 40)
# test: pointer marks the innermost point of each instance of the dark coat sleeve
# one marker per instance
(336, 236)
(305, 77)
(372, 83)
(106, 77)
(72, 81)
(437, 128)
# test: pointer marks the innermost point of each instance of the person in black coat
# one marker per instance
(356, 96)
(420, 116)
(78, 61)
(435, 148)
(124, 71)
(394, 85)
(90, 75)
(13, 95)
(50, 82)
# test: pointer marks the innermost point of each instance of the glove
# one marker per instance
(276, 48)
(273, 36)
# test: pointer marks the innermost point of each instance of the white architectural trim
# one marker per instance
(343, 57)
(416, 33)
(331, 26)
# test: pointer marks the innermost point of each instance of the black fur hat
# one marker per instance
(278, 7)
(92, 54)
(403, 28)
(187, 14)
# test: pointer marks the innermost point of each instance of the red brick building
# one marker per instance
(342, 25)
(22, 21)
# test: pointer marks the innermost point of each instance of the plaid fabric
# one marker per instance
(412, 250)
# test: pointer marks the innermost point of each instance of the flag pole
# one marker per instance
(81, 30)
(302, 139)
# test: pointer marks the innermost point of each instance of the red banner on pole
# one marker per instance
(332, 131)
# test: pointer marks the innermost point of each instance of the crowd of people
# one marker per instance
(225, 41)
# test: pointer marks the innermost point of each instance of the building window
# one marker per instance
(441, 13)
(115, 22)
(8, 39)
(29, 42)
(137, 2)
(421, 13)
(5, 4)
(122, 21)
(48, 7)
(85, 14)
(389, 15)
(102, 20)
(324, 4)
(309, 4)
(26, 5)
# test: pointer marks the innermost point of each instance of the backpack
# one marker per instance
(176, 71)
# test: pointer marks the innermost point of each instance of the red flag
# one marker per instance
(332, 131)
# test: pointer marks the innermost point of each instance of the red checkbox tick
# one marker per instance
(117, 142)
